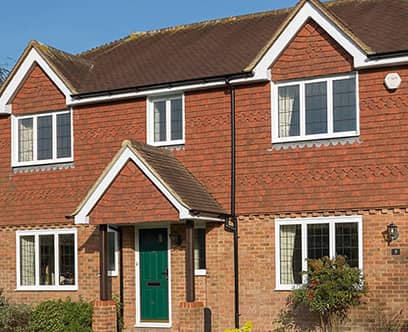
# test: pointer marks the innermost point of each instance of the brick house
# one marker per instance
(123, 168)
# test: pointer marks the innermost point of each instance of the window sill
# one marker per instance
(113, 273)
(42, 162)
(46, 288)
(315, 143)
(44, 167)
(168, 144)
(200, 272)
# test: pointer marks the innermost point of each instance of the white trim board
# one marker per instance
(32, 57)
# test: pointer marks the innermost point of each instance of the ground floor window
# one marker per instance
(302, 238)
(113, 255)
(47, 259)
(199, 251)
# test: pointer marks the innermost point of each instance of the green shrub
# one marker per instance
(13, 317)
(246, 328)
(62, 316)
(332, 288)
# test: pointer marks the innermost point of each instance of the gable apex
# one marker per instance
(304, 11)
(31, 56)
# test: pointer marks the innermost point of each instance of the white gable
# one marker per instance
(32, 57)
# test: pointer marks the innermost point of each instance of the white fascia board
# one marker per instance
(306, 12)
(82, 217)
(32, 57)
(162, 91)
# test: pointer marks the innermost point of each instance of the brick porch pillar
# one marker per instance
(104, 316)
(191, 317)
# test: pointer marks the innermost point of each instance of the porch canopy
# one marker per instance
(146, 184)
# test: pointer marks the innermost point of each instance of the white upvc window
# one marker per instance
(317, 108)
(47, 260)
(299, 239)
(42, 138)
(113, 255)
(165, 120)
(200, 250)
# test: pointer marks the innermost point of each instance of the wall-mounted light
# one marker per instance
(391, 234)
(175, 239)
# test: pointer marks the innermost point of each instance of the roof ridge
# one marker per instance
(45, 47)
(178, 27)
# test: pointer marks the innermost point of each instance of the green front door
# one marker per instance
(154, 286)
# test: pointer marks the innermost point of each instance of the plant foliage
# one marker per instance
(246, 328)
(332, 288)
(13, 317)
(62, 316)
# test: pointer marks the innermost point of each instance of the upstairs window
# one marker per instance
(315, 109)
(166, 121)
(42, 138)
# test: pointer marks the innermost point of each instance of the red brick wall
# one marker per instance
(132, 197)
(26, 197)
(385, 274)
(104, 316)
(37, 94)
(311, 53)
(88, 267)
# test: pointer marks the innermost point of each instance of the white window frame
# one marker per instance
(150, 120)
(302, 109)
(14, 139)
(115, 272)
(202, 272)
(36, 234)
(332, 221)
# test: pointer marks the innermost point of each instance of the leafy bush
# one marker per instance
(62, 316)
(13, 317)
(332, 288)
(246, 328)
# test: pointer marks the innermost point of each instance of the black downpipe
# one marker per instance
(234, 219)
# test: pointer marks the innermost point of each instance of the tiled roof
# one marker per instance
(191, 193)
(216, 48)
(171, 173)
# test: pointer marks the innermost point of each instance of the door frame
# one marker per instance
(139, 323)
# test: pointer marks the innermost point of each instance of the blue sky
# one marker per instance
(77, 25)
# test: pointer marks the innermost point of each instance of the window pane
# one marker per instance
(288, 110)
(25, 139)
(347, 242)
(111, 255)
(317, 241)
(290, 254)
(27, 261)
(159, 121)
(344, 105)
(64, 135)
(44, 137)
(66, 259)
(199, 249)
(316, 108)
(176, 119)
(47, 259)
